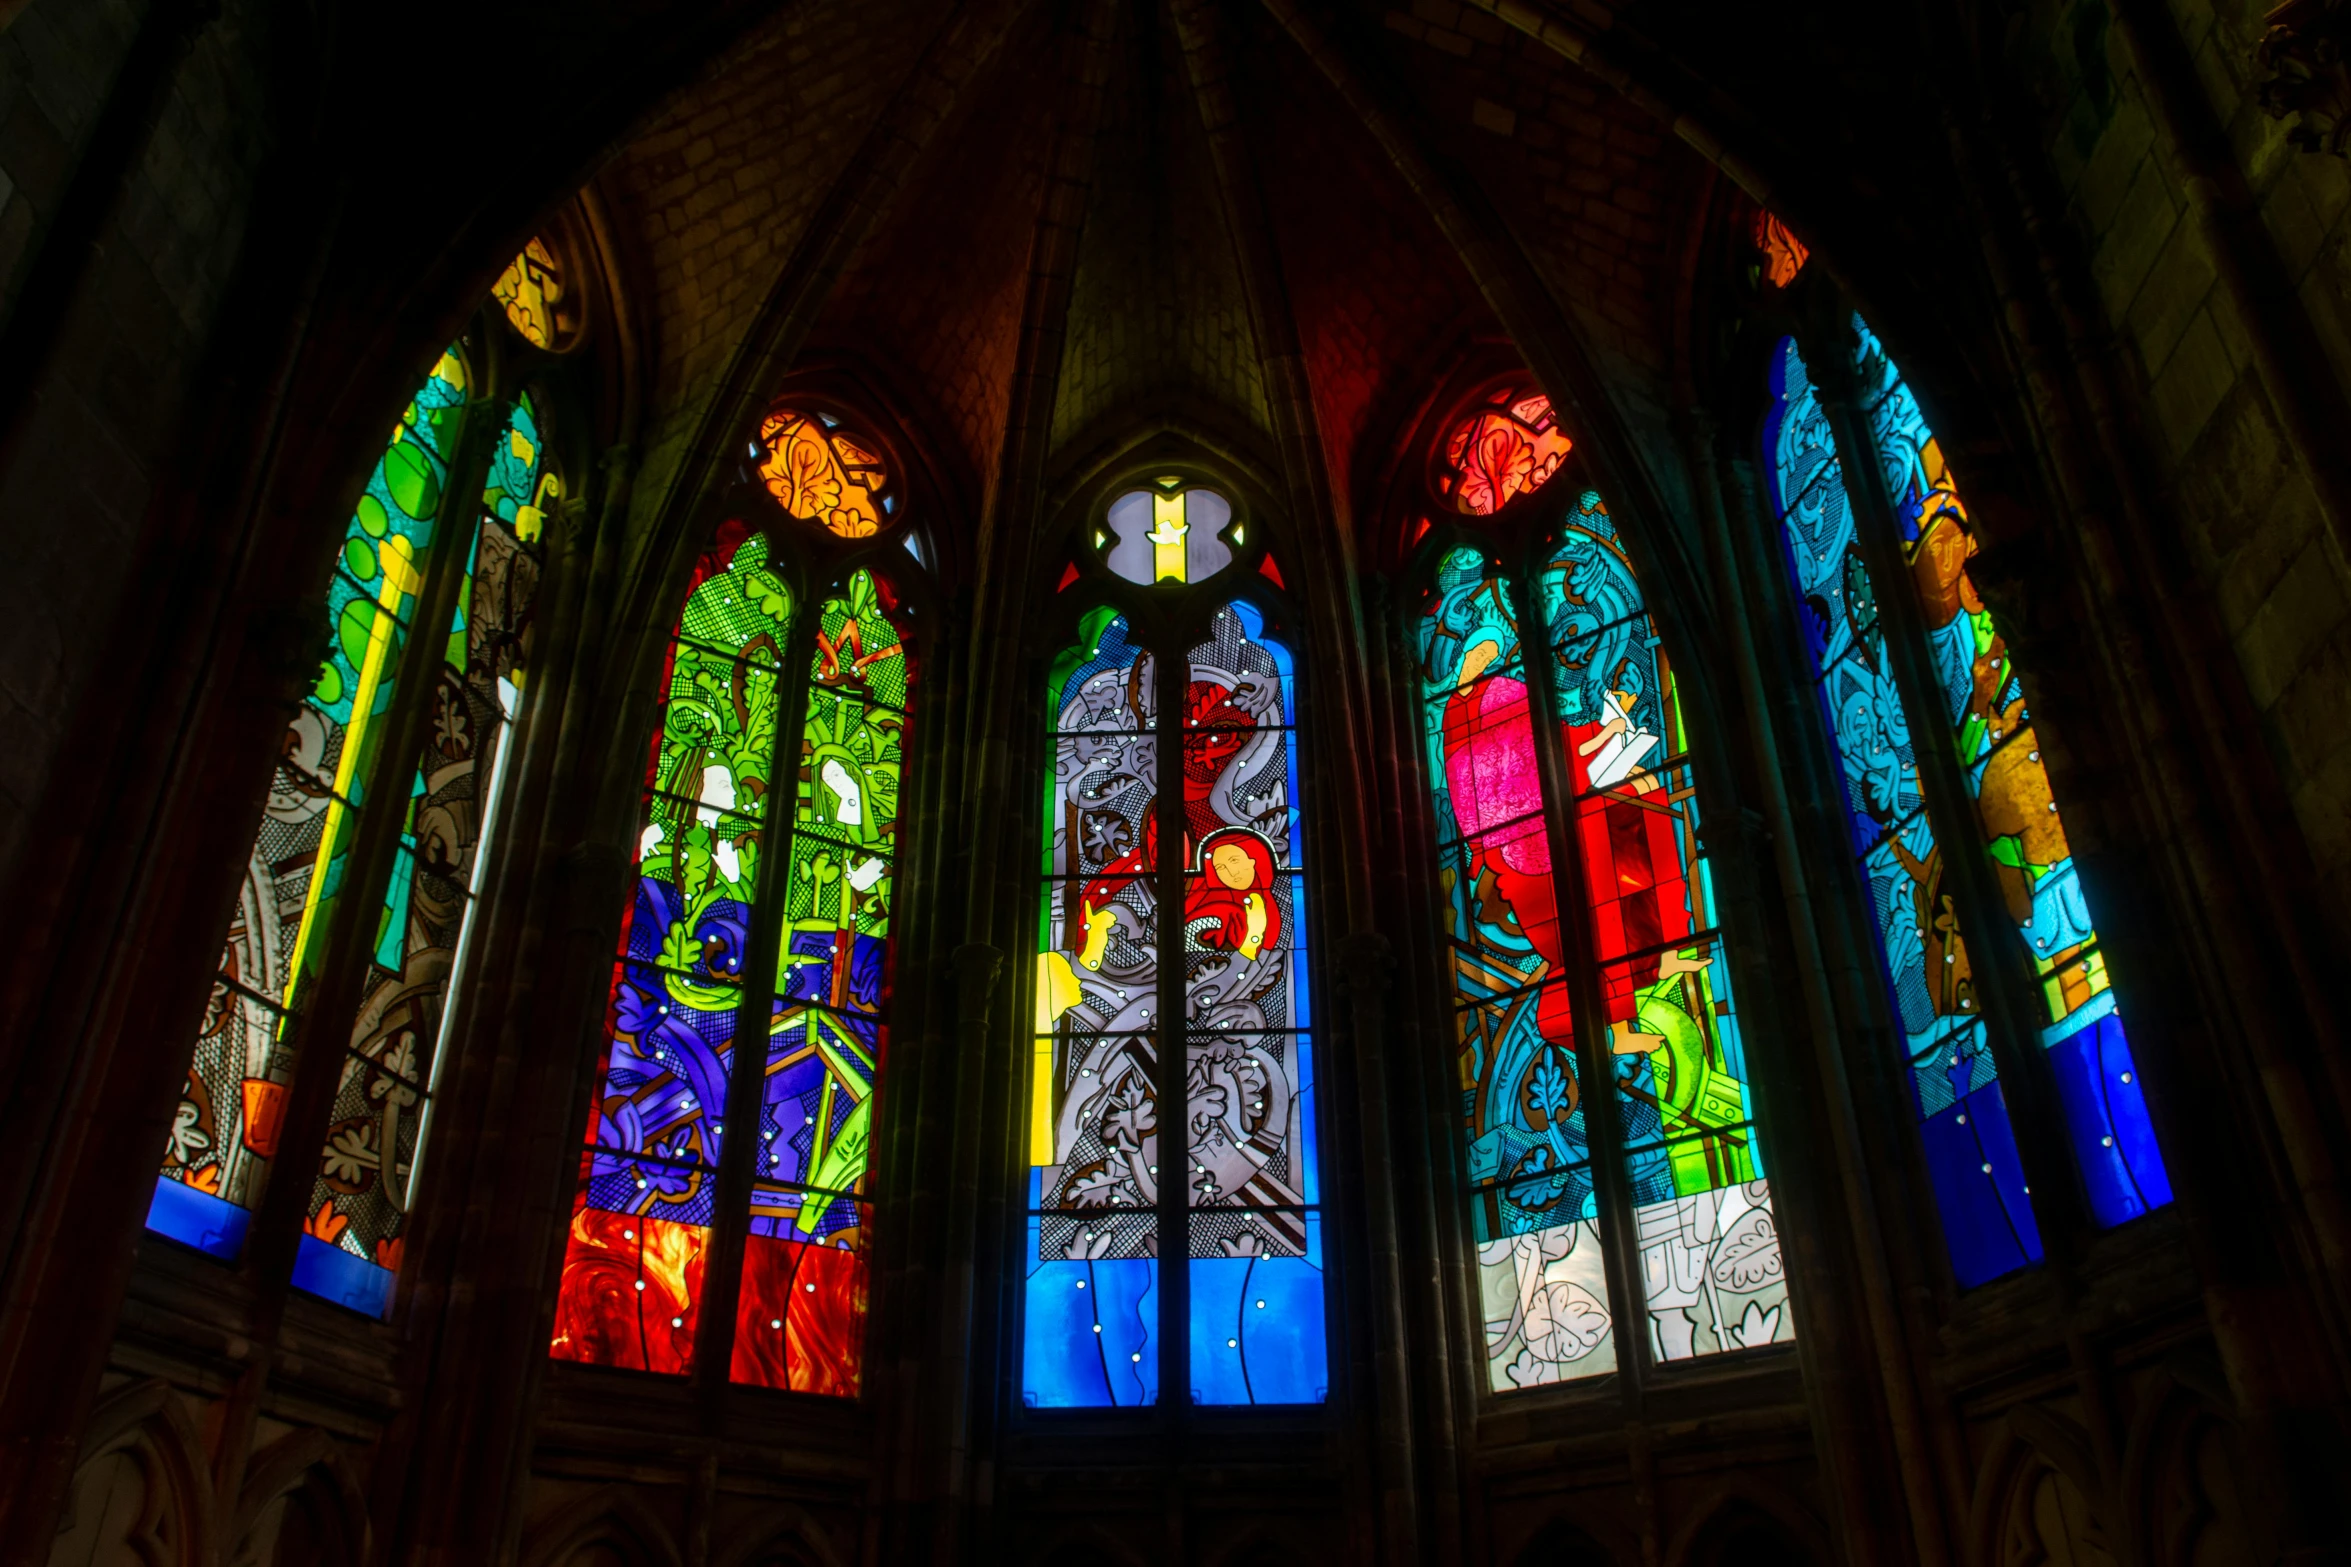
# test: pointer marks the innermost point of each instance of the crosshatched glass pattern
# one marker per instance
(1708, 1240)
(1534, 1210)
(1963, 1118)
(716, 803)
(225, 1130)
(357, 1222)
(1249, 1195)
(1091, 1333)
(1255, 1225)
(1990, 725)
(801, 1315)
(641, 1220)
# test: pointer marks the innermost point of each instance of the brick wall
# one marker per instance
(96, 434)
(2250, 519)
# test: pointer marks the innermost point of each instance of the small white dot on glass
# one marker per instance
(1081, 1284)
(1261, 1305)
(2052, 807)
(1963, 1120)
(809, 1287)
(640, 1183)
(677, 1322)
(640, 1283)
(1232, 1343)
(2106, 1142)
(2126, 1077)
(1137, 1356)
(628, 1235)
(776, 1323)
(2032, 756)
(1987, 1169)
(1097, 1327)
(1950, 957)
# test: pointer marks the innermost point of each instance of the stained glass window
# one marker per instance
(1507, 447)
(1783, 253)
(1612, 810)
(1219, 888)
(226, 1129)
(1970, 1144)
(817, 470)
(358, 1216)
(354, 911)
(782, 738)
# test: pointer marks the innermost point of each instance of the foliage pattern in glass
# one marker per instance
(1710, 1259)
(357, 1218)
(1706, 1237)
(1963, 1118)
(225, 1129)
(1990, 725)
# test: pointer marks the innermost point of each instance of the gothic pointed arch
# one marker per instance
(1615, 1170)
(1174, 1250)
(753, 976)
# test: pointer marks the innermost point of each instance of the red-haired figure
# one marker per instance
(1230, 906)
(1097, 909)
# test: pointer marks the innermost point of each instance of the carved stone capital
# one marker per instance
(2306, 78)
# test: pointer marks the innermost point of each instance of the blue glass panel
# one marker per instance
(1091, 1332)
(333, 1274)
(1979, 1188)
(2106, 1117)
(197, 1218)
(1258, 1328)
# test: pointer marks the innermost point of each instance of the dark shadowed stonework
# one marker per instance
(1035, 244)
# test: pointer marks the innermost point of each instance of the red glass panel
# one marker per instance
(632, 1289)
(1506, 448)
(800, 1321)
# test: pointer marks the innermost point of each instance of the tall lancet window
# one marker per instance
(1922, 698)
(723, 1215)
(1172, 1099)
(1616, 1175)
(331, 1006)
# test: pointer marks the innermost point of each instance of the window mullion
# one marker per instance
(1998, 958)
(730, 1219)
(1596, 1071)
(330, 1004)
(1171, 675)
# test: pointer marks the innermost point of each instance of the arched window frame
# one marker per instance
(521, 363)
(1518, 540)
(762, 1338)
(1169, 621)
(2040, 1174)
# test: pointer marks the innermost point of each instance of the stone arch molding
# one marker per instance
(2040, 1500)
(1085, 1545)
(615, 1520)
(1733, 1501)
(2184, 1474)
(779, 1532)
(142, 1495)
(299, 1488)
(142, 1492)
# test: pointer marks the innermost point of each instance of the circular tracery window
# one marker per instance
(1507, 446)
(1167, 534)
(817, 470)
